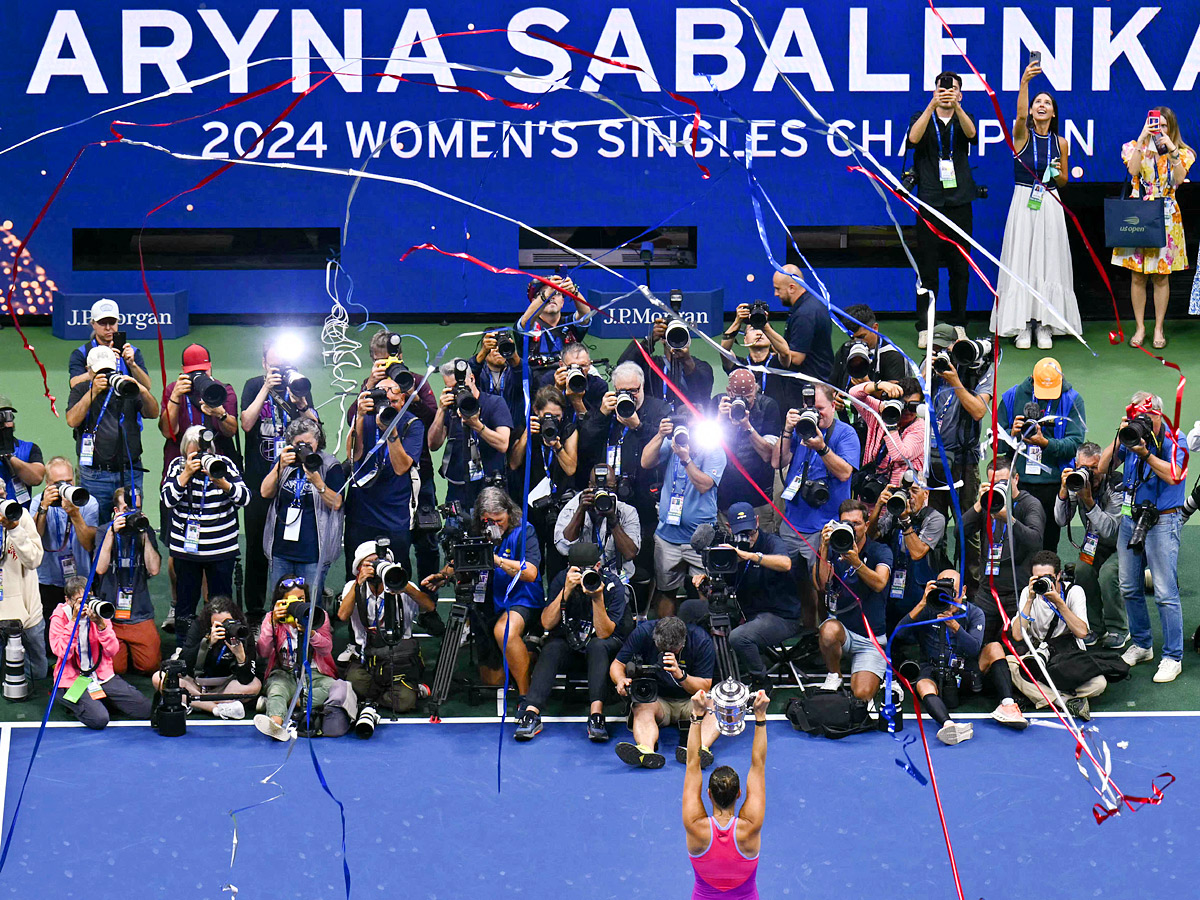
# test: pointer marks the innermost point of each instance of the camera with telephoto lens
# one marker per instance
(998, 498)
(1077, 480)
(808, 426)
(858, 360)
(890, 411)
(759, 313)
(841, 537)
(211, 391)
(72, 493)
(577, 380)
(126, 385)
(405, 380)
(737, 409)
(11, 510)
(1139, 430)
(898, 502)
(298, 612)
(295, 383)
(677, 336)
(136, 522)
(506, 346)
(1042, 585)
(101, 608)
(942, 363)
(395, 576)
(591, 581)
(604, 501)
(235, 630)
(626, 405)
(644, 678)
(679, 431)
(213, 465)
(466, 403)
(550, 427)
(308, 457)
(1145, 517)
(971, 352)
(170, 715)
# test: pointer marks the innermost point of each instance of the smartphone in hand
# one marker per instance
(1035, 56)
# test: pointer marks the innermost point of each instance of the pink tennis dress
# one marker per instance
(722, 870)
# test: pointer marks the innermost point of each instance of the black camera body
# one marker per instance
(841, 537)
(604, 501)
(1140, 429)
(1145, 517)
(644, 677)
(759, 313)
(815, 492)
(551, 427)
(211, 391)
(170, 716)
(942, 596)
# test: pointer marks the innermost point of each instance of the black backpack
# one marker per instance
(834, 714)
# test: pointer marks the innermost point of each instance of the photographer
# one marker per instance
(857, 593)
(513, 593)
(127, 558)
(897, 447)
(203, 492)
(303, 532)
(105, 320)
(681, 660)
(615, 529)
(184, 404)
(21, 465)
(20, 599)
(583, 619)
(281, 642)
(268, 406)
(692, 377)
(550, 330)
(941, 137)
(1044, 395)
(865, 357)
(68, 532)
(387, 659)
(766, 592)
(948, 643)
(477, 437)
(1097, 495)
(688, 498)
(1052, 626)
(758, 353)
(915, 533)
(806, 345)
(751, 423)
(576, 360)
(500, 375)
(819, 463)
(106, 412)
(89, 687)
(217, 660)
(1155, 469)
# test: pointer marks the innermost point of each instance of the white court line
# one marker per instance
(5, 744)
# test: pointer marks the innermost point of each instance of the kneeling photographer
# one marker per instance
(950, 637)
(659, 667)
(214, 660)
(1155, 461)
(89, 687)
(753, 568)
(380, 604)
(128, 557)
(1052, 624)
(584, 618)
(895, 441)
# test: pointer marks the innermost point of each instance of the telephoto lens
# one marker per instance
(604, 501)
(394, 576)
(124, 385)
(11, 510)
(626, 405)
(364, 725)
(677, 335)
(214, 466)
(102, 608)
(577, 380)
(1042, 585)
(73, 494)
(210, 390)
(1139, 430)
(809, 425)
(998, 498)
(467, 403)
(308, 457)
(384, 419)
(680, 435)
(890, 411)
(969, 352)
(841, 537)
(858, 360)
(1076, 481)
(405, 380)
(296, 383)
(591, 581)
(898, 502)
(942, 363)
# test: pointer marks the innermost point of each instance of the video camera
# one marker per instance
(170, 716)
(644, 678)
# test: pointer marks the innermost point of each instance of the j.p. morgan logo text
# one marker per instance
(139, 321)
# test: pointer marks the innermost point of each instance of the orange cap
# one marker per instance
(1047, 379)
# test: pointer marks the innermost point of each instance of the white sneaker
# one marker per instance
(1168, 670)
(833, 681)
(1045, 340)
(230, 709)
(266, 725)
(1024, 339)
(1135, 654)
(922, 339)
(955, 733)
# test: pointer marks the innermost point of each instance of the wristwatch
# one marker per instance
(700, 718)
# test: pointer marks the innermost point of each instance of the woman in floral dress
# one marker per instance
(1158, 161)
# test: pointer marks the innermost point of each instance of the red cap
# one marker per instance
(195, 359)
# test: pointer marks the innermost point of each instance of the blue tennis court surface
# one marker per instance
(125, 813)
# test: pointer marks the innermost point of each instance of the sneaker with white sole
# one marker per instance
(922, 339)
(1045, 338)
(1115, 640)
(229, 709)
(266, 725)
(1024, 339)
(1168, 670)
(832, 682)
(1010, 714)
(1135, 654)
(955, 733)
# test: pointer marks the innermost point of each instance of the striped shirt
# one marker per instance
(203, 503)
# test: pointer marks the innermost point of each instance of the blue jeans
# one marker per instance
(34, 639)
(1162, 557)
(102, 484)
(312, 573)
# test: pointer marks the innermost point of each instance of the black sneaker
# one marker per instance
(633, 755)
(529, 725)
(432, 623)
(597, 730)
(1080, 708)
(706, 756)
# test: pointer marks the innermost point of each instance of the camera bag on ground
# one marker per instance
(1069, 667)
(333, 719)
(834, 714)
(395, 673)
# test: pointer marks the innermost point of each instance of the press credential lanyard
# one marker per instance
(191, 538)
(126, 563)
(679, 480)
(945, 164)
(87, 443)
(1039, 189)
(294, 513)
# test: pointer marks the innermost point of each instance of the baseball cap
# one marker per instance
(196, 359)
(5, 403)
(741, 383)
(1047, 379)
(742, 518)
(944, 335)
(101, 358)
(361, 552)
(105, 309)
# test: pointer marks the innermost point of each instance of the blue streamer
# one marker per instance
(313, 754)
(907, 764)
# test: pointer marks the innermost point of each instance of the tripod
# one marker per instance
(722, 601)
(464, 594)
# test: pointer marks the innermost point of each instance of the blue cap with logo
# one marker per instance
(742, 518)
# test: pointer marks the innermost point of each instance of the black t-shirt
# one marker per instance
(604, 440)
(117, 427)
(734, 488)
(760, 589)
(578, 605)
(776, 387)
(307, 547)
(260, 440)
(493, 413)
(540, 455)
(954, 145)
(697, 658)
(810, 331)
(887, 364)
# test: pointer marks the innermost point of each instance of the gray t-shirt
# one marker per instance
(959, 432)
(595, 530)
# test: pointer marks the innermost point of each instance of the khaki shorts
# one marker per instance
(670, 710)
(673, 563)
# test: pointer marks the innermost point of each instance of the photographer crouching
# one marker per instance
(661, 665)
(903, 520)
(584, 618)
(216, 661)
(1151, 528)
(764, 588)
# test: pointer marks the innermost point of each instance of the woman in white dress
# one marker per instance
(1035, 237)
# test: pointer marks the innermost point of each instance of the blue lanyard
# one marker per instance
(1037, 167)
(131, 561)
(192, 514)
(547, 464)
(763, 376)
(298, 486)
(937, 130)
(496, 387)
(679, 478)
(220, 652)
(103, 408)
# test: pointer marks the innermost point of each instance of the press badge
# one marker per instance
(675, 511)
(899, 580)
(95, 689)
(1036, 196)
(291, 524)
(280, 446)
(1033, 460)
(475, 470)
(87, 449)
(946, 173)
(993, 562)
(789, 493)
(1087, 553)
(68, 566)
(21, 492)
(614, 459)
(124, 604)
(191, 537)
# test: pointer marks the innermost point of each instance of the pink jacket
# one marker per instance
(103, 645)
(903, 447)
(271, 637)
